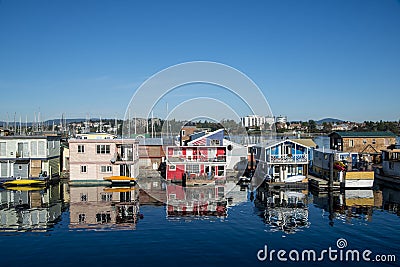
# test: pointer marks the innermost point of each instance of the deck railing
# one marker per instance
(287, 158)
(196, 159)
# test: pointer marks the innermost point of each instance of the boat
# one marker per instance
(24, 182)
(120, 179)
(359, 179)
(295, 179)
(26, 188)
(119, 189)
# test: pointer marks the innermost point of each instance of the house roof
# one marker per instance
(305, 142)
(272, 143)
(150, 141)
(364, 134)
(205, 136)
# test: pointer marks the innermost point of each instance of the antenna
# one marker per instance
(26, 124)
(15, 123)
(116, 125)
(135, 124)
(129, 123)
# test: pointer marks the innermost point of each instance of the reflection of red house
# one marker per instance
(198, 162)
(206, 200)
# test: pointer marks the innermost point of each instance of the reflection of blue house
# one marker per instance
(281, 159)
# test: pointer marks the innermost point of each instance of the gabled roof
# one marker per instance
(272, 143)
(205, 136)
(363, 134)
(306, 142)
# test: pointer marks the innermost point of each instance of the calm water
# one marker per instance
(100, 226)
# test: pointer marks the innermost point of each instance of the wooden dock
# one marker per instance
(320, 184)
(282, 185)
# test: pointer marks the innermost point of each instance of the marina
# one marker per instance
(199, 133)
(200, 197)
(123, 223)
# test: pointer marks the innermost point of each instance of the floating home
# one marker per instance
(30, 156)
(282, 160)
(390, 170)
(204, 158)
(346, 168)
(367, 145)
(93, 160)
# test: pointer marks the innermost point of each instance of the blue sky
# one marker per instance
(311, 59)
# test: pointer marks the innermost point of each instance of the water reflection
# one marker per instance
(203, 201)
(30, 209)
(104, 208)
(390, 194)
(348, 206)
(283, 210)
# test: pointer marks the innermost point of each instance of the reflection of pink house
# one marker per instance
(197, 162)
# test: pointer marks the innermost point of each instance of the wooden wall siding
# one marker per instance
(366, 144)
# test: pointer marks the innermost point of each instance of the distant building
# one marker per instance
(252, 121)
(367, 144)
(281, 119)
(30, 156)
(91, 160)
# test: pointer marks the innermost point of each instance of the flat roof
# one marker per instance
(364, 134)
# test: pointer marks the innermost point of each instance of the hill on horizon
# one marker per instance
(329, 120)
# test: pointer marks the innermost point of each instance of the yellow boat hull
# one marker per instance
(24, 182)
(119, 179)
(25, 188)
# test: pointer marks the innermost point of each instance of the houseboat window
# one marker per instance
(106, 197)
(103, 217)
(83, 197)
(351, 143)
(221, 170)
(103, 149)
(82, 218)
(105, 168)
(386, 142)
(177, 152)
(83, 169)
(193, 168)
(81, 149)
(41, 150)
(214, 142)
(172, 167)
(34, 148)
(3, 151)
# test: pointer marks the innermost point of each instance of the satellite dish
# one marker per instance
(230, 147)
